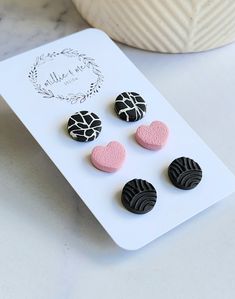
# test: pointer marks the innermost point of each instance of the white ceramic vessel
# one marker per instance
(173, 26)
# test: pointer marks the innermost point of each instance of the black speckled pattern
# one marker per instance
(130, 106)
(84, 126)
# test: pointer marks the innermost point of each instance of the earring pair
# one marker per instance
(111, 157)
(86, 126)
(140, 196)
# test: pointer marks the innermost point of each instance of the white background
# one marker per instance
(56, 249)
(46, 120)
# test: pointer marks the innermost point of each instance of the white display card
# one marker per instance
(86, 71)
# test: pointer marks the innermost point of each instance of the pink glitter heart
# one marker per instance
(108, 158)
(152, 137)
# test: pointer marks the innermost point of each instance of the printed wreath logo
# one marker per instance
(73, 98)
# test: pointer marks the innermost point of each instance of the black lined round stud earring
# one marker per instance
(84, 126)
(139, 196)
(130, 106)
(185, 173)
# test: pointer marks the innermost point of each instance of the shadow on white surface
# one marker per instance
(34, 190)
(45, 199)
(51, 240)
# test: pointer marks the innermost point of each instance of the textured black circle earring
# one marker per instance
(84, 126)
(130, 106)
(185, 173)
(139, 196)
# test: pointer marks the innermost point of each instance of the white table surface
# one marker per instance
(51, 247)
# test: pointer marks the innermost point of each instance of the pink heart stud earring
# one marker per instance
(152, 137)
(108, 158)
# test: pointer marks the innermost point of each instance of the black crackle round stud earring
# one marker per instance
(84, 126)
(130, 106)
(139, 196)
(185, 173)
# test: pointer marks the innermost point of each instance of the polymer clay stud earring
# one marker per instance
(108, 158)
(84, 126)
(139, 196)
(130, 106)
(152, 137)
(185, 173)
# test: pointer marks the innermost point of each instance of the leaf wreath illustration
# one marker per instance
(72, 98)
